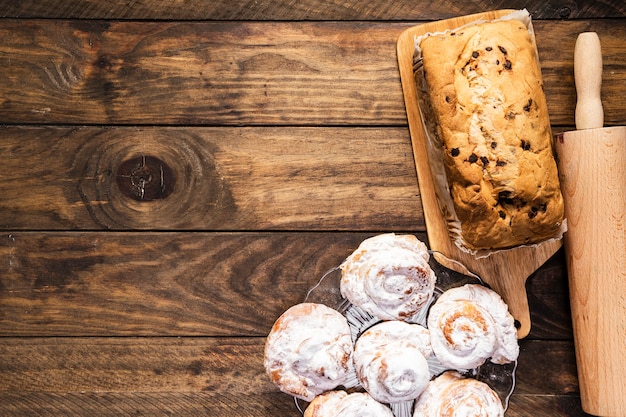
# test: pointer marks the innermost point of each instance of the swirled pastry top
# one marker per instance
(342, 404)
(470, 324)
(309, 350)
(390, 361)
(388, 276)
(451, 395)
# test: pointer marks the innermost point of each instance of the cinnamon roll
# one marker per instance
(388, 276)
(309, 351)
(390, 361)
(342, 404)
(471, 324)
(452, 395)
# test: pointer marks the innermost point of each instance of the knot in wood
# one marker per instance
(565, 12)
(145, 178)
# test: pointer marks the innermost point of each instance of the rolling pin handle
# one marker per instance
(588, 79)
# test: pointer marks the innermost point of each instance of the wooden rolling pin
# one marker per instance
(592, 166)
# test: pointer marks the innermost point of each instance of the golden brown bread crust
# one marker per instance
(485, 90)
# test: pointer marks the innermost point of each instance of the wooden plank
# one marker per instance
(546, 367)
(191, 364)
(298, 10)
(548, 299)
(157, 404)
(148, 373)
(243, 73)
(555, 42)
(555, 405)
(198, 73)
(208, 178)
(154, 404)
(134, 364)
(187, 284)
(176, 284)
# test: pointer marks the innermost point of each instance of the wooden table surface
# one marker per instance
(174, 175)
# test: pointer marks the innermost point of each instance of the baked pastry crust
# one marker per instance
(388, 276)
(390, 361)
(469, 325)
(486, 95)
(450, 394)
(342, 404)
(309, 351)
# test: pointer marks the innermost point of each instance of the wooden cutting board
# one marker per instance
(505, 271)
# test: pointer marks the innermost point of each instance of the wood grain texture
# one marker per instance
(135, 364)
(554, 405)
(198, 73)
(142, 373)
(588, 79)
(223, 179)
(184, 284)
(153, 404)
(548, 299)
(556, 42)
(246, 73)
(146, 284)
(299, 10)
(592, 163)
(549, 372)
(157, 404)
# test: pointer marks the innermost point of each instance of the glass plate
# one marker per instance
(501, 378)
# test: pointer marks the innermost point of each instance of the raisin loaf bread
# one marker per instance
(486, 94)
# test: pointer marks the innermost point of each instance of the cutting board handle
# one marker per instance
(588, 79)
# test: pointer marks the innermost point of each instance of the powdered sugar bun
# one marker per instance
(452, 395)
(470, 324)
(390, 361)
(342, 404)
(388, 276)
(309, 351)
(325, 404)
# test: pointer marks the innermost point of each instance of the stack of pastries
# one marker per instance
(489, 145)
(312, 354)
